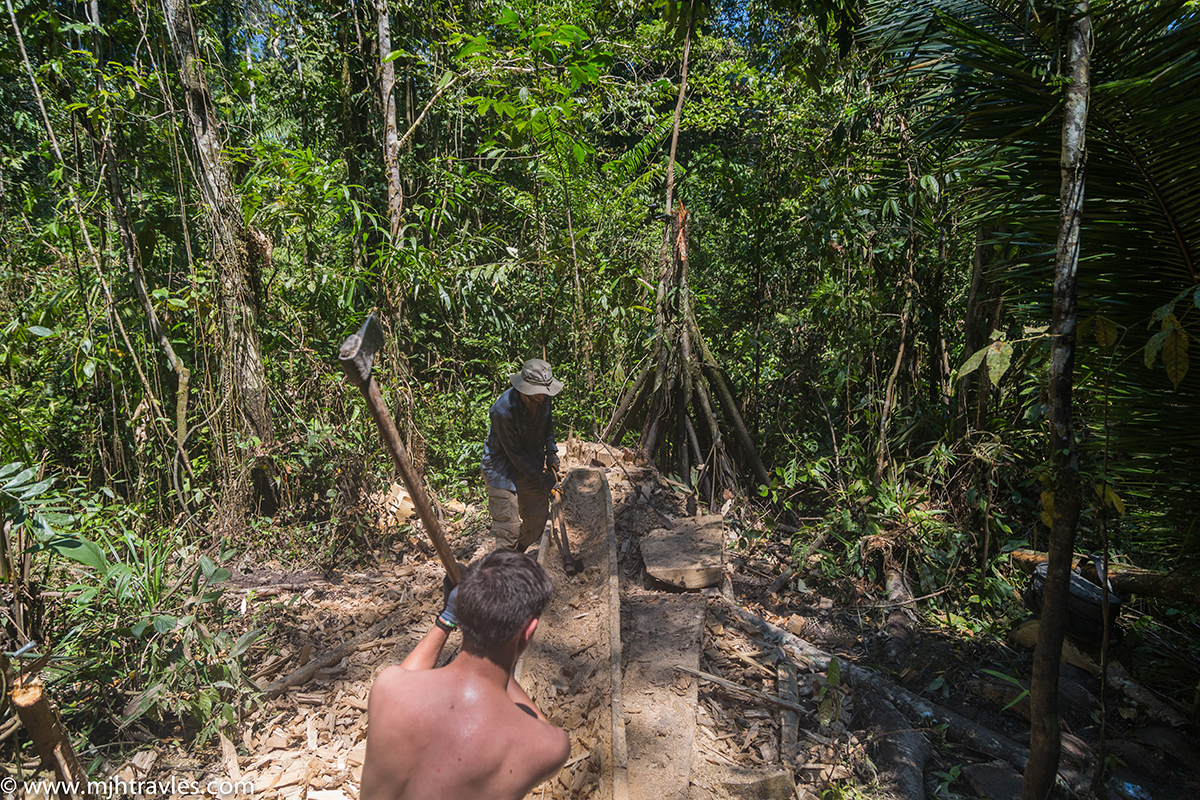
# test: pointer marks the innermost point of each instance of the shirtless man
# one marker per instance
(466, 731)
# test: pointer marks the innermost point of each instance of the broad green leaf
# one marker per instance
(507, 17)
(81, 550)
(28, 493)
(165, 623)
(443, 81)
(1106, 331)
(19, 481)
(1175, 355)
(244, 641)
(1048, 509)
(1153, 346)
(39, 331)
(999, 356)
(834, 672)
(972, 363)
(1113, 499)
(476, 45)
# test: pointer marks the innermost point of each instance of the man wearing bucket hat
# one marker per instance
(517, 456)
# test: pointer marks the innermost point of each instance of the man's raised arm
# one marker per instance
(427, 651)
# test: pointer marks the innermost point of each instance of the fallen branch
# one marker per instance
(9, 728)
(957, 727)
(904, 749)
(1118, 678)
(737, 687)
(305, 673)
(901, 621)
(1124, 578)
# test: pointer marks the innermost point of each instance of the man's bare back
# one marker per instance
(452, 733)
(466, 731)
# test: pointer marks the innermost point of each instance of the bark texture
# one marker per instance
(237, 253)
(1045, 743)
(391, 134)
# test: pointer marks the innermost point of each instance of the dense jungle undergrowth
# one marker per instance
(806, 257)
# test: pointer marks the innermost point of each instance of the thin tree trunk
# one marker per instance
(235, 253)
(109, 160)
(391, 136)
(1045, 742)
(616, 425)
(683, 73)
(973, 340)
(109, 163)
(889, 394)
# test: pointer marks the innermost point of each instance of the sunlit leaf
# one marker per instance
(972, 363)
(1048, 509)
(1114, 500)
(999, 356)
(30, 492)
(244, 641)
(82, 550)
(20, 480)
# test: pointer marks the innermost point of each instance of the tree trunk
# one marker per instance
(391, 135)
(237, 255)
(1045, 741)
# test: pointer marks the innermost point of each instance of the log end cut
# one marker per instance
(689, 556)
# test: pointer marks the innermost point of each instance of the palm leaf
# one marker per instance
(983, 72)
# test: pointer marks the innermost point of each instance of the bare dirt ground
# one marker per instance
(307, 743)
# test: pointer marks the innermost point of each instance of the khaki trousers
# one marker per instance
(518, 518)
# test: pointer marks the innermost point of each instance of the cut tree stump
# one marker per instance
(49, 737)
(660, 635)
(690, 555)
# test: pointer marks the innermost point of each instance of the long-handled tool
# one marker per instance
(357, 356)
(558, 526)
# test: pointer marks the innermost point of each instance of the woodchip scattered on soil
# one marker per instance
(307, 743)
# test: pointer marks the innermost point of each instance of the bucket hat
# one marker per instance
(535, 378)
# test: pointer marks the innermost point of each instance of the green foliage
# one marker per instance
(149, 614)
(827, 692)
(838, 201)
